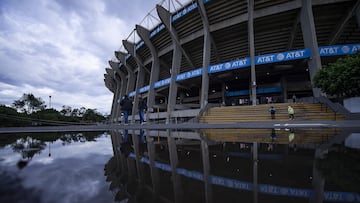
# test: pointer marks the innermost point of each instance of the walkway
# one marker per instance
(351, 125)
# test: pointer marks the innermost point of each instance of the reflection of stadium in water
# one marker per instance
(250, 165)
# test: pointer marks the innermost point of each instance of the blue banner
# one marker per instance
(184, 11)
(131, 94)
(176, 17)
(162, 83)
(144, 89)
(156, 30)
(191, 174)
(189, 74)
(341, 196)
(240, 63)
(283, 56)
(231, 183)
(284, 191)
(248, 186)
(258, 91)
(139, 45)
(263, 59)
(237, 93)
(339, 50)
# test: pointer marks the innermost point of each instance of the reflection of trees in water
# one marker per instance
(28, 147)
(68, 138)
(341, 168)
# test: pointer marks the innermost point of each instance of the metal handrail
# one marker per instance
(336, 107)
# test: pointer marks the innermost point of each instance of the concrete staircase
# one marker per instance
(260, 113)
(283, 136)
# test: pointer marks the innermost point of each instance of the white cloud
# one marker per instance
(48, 49)
(62, 47)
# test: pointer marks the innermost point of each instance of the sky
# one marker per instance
(60, 48)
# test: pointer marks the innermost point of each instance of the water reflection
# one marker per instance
(54, 167)
(234, 165)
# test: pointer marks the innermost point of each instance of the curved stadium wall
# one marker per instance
(231, 52)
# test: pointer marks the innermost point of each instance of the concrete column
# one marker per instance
(117, 144)
(206, 170)
(206, 56)
(255, 171)
(223, 90)
(178, 192)
(153, 170)
(131, 169)
(318, 181)
(310, 40)
(117, 96)
(116, 80)
(139, 165)
(114, 146)
(121, 80)
(284, 87)
(252, 50)
(115, 66)
(155, 67)
(109, 82)
(123, 159)
(130, 47)
(176, 62)
(165, 17)
(112, 108)
(121, 56)
(139, 84)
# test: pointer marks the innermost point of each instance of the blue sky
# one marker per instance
(62, 47)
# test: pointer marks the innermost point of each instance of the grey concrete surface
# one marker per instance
(349, 125)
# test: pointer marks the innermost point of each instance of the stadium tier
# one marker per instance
(232, 52)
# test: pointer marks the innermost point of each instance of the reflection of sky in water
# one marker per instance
(73, 173)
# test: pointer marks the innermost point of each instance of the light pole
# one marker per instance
(50, 101)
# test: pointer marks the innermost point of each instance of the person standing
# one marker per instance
(126, 107)
(291, 113)
(272, 111)
(142, 106)
(294, 98)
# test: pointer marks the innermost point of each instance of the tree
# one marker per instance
(82, 111)
(28, 103)
(93, 115)
(9, 117)
(66, 110)
(342, 78)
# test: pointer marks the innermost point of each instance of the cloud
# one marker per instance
(77, 166)
(61, 48)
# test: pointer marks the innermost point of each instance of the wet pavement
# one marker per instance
(286, 163)
(346, 124)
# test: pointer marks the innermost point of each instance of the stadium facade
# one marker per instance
(232, 52)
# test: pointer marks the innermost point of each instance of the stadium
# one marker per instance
(230, 53)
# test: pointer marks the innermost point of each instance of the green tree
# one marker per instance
(66, 110)
(93, 115)
(28, 103)
(9, 117)
(342, 78)
(82, 111)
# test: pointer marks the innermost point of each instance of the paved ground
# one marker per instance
(351, 125)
